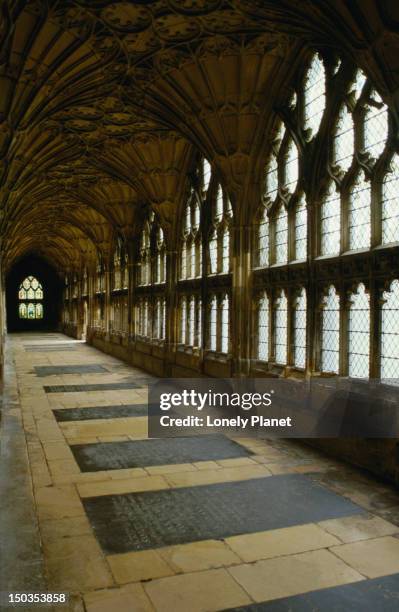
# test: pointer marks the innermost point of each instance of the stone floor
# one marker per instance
(250, 524)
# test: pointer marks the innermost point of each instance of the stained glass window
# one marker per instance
(330, 332)
(330, 221)
(390, 333)
(390, 203)
(314, 95)
(300, 330)
(280, 328)
(263, 327)
(360, 213)
(359, 333)
(30, 290)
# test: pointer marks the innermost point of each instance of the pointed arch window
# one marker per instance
(191, 240)
(30, 295)
(281, 235)
(219, 234)
(301, 229)
(263, 327)
(300, 329)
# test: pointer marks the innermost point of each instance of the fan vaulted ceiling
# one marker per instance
(103, 104)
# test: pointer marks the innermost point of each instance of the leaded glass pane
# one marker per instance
(314, 95)
(219, 204)
(191, 321)
(360, 214)
(183, 261)
(300, 331)
(375, 126)
(330, 329)
(207, 173)
(271, 183)
(292, 167)
(390, 203)
(263, 240)
(213, 325)
(199, 323)
(263, 328)
(183, 320)
(330, 222)
(344, 141)
(225, 325)
(213, 253)
(359, 333)
(226, 251)
(280, 329)
(23, 311)
(281, 236)
(390, 334)
(301, 229)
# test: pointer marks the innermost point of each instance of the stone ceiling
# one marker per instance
(103, 104)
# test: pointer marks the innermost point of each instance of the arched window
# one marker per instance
(144, 274)
(280, 328)
(160, 318)
(143, 321)
(263, 327)
(359, 333)
(30, 295)
(300, 330)
(206, 174)
(314, 95)
(330, 221)
(117, 266)
(219, 234)
(390, 333)
(160, 256)
(191, 241)
(359, 221)
(330, 327)
(291, 173)
(390, 203)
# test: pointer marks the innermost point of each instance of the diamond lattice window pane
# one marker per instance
(330, 222)
(375, 127)
(344, 140)
(360, 214)
(390, 203)
(330, 328)
(280, 329)
(301, 230)
(390, 334)
(314, 95)
(359, 333)
(226, 251)
(271, 182)
(292, 167)
(263, 328)
(225, 325)
(263, 240)
(281, 236)
(300, 331)
(213, 253)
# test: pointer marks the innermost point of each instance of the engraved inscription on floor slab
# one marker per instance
(101, 412)
(379, 594)
(92, 387)
(69, 369)
(139, 521)
(165, 451)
